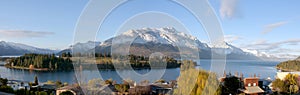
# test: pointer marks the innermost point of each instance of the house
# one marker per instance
(140, 90)
(16, 85)
(264, 84)
(76, 90)
(252, 87)
(49, 88)
(161, 89)
(153, 89)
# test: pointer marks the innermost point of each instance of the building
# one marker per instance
(161, 89)
(16, 85)
(153, 89)
(50, 88)
(140, 90)
(251, 86)
(76, 90)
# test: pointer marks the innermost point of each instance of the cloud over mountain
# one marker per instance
(270, 27)
(23, 33)
(229, 9)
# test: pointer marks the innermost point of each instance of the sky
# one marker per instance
(270, 26)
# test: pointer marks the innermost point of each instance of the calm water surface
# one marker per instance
(263, 68)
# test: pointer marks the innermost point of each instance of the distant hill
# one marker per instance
(82, 47)
(10, 48)
(291, 65)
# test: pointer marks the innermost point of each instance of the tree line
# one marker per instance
(136, 62)
(50, 62)
(291, 65)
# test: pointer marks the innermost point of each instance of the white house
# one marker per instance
(16, 85)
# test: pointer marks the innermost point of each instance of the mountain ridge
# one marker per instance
(10, 48)
(145, 39)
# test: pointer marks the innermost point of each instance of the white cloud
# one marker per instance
(229, 8)
(264, 45)
(282, 47)
(270, 27)
(23, 34)
(231, 38)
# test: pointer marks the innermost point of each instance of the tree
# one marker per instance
(109, 81)
(43, 93)
(3, 81)
(196, 82)
(160, 81)
(58, 84)
(288, 85)
(292, 79)
(231, 85)
(42, 61)
(122, 87)
(63, 54)
(66, 93)
(96, 82)
(7, 89)
(36, 81)
(69, 54)
(294, 88)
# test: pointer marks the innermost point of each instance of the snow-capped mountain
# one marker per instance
(143, 41)
(85, 46)
(167, 40)
(10, 48)
(81, 47)
(258, 53)
(167, 35)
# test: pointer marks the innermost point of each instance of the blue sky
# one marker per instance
(266, 25)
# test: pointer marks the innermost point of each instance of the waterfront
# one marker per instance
(263, 68)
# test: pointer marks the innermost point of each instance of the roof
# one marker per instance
(161, 86)
(253, 89)
(48, 86)
(251, 78)
(73, 88)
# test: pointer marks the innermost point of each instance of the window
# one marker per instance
(249, 84)
(254, 84)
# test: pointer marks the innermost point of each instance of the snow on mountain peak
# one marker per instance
(22, 47)
(165, 35)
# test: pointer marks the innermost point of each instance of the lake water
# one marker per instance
(263, 68)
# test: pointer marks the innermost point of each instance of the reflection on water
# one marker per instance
(263, 68)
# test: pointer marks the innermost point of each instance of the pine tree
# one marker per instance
(36, 81)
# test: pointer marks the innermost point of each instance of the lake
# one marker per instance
(263, 68)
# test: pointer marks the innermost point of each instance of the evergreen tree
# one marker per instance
(36, 81)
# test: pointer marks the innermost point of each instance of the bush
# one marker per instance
(6, 89)
(66, 93)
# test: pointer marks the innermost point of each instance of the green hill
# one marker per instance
(291, 65)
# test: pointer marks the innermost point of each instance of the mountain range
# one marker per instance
(167, 41)
(10, 48)
(146, 41)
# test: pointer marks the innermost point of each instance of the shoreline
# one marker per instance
(113, 69)
(286, 70)
(24, 68)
